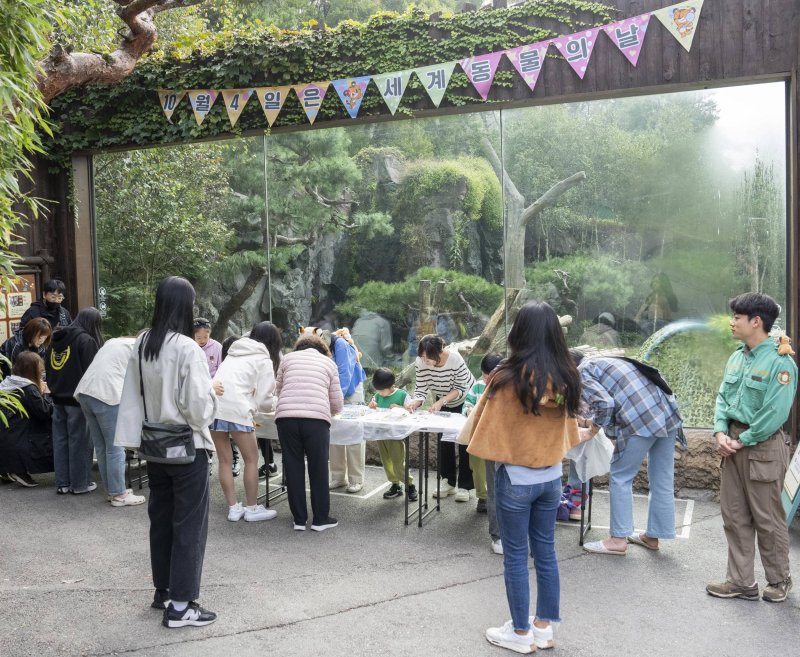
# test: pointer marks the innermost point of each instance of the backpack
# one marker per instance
(7, 350)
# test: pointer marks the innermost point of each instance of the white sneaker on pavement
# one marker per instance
(506, 637)
(355, 487)
(127, 499)
(258, 512)
(497, 546)
(543, 638)
(333, 484)
(235, 512)
(445, 489)
(462, 495)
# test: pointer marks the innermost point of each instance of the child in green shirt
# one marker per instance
(393, 452)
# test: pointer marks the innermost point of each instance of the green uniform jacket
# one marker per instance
(758, 389)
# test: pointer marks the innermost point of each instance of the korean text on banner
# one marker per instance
(271, 100)
(392, 87)
(435, 79)
(202, 101)
(480, 70)
(577, 49)
(628, 35)
(528, 60)
(311, 96)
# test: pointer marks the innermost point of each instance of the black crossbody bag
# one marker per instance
(172, 444)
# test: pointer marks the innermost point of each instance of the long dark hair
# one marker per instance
(90, 320)
(538, 354)
(173, 312)
(268, 334)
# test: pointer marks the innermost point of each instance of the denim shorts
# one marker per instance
(224, 425)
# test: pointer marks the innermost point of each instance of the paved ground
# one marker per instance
(74, 580)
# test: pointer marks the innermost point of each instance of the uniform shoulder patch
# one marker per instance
(784, 377)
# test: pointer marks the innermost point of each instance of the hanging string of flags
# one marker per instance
(628, 35)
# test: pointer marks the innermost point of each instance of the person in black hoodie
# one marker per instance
(71, 353)
(50, 307)
(25, 444)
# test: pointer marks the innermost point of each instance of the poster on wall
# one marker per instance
(16, 300)
(3, 332)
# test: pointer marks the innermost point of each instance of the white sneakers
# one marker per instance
(236, 512)
(535, 638)
(462, 495)
(258, 512)
(445, 489)
(355, 487)
(497, 546)
(506, 637)
(126, 499)
(250, 514)
(333, 484)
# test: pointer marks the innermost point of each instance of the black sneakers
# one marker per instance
(396, 490)
(328, 523)
(194, 614)
(160, 599)
(412, 493)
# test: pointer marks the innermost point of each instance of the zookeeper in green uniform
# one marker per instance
(753, 402)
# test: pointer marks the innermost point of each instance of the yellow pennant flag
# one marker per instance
(272, 99)
(169, 101)
(202, 100)
(235, 100)
(681, 20)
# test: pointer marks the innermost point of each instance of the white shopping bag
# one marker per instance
(592, 458)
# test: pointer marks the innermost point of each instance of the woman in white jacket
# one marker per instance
(248, 376)
(173, 378)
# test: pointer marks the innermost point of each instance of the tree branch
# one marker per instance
(61, 71)
(549, 198)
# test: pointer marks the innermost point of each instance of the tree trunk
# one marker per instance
(220, 330)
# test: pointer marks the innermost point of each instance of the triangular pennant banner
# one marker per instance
(310, 96)
(435, 79)
(528, 60)
(628, 35)
(272, 99)
(235, 100)
(351, 92)
(392, 87)
(577, 49)
(169, 101)
(480, 70)
(681, 20)
(202, 100)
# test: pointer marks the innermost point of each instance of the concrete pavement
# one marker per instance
(75, 580)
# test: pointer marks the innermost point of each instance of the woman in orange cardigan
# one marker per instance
(525, 423)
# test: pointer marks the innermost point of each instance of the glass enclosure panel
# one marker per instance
(640, 218)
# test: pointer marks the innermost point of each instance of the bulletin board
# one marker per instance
(16, 300)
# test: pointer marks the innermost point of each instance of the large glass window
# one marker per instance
(636, 218)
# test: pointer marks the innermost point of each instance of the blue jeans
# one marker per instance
(101, 419)
(528, 513)
(660, 453)
(70, 448)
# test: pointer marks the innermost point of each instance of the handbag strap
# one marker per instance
(141, 376)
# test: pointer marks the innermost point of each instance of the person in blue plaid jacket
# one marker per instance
(643, 420)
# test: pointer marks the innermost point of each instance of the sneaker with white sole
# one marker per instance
(193, 615)
(497, 546)
(445, 489)
(506, 637)
(355, 487)
(542, 637)
(92, 486)
(23, 479)
(462, 495)
(299, 528)
(258, 512)
(236, 512)
(328, 523)
(127, 499)
(160, 599)
(336, 483)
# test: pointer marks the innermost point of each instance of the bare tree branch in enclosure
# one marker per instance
(62, 70)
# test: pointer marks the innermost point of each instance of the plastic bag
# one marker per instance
(592, 458)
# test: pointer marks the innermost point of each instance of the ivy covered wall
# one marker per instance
(129, 115)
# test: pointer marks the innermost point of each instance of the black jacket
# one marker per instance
(71, 352)
(26, 445)
(55, 313)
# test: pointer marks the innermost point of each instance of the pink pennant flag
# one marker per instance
(577, 49)
(311, 96)
(528, 60)
(628, 35)
(480, 70)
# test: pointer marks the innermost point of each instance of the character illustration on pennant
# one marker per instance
(684, 20)
(353, 94)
